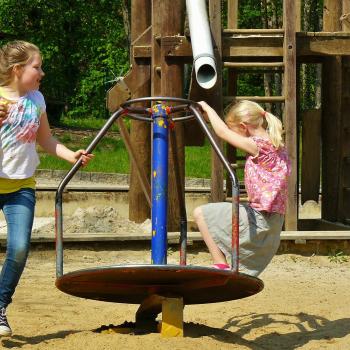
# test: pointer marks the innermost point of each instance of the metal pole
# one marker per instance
(159, 184)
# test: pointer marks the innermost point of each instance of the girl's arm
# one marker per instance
(54, 147)
(244, 143)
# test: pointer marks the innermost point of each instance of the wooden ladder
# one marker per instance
(287, 66)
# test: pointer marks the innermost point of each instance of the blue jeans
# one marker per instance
(18, 208)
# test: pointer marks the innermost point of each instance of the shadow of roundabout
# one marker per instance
(282, 331)
(18, 341)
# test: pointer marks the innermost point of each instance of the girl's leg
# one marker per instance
(19, 213)
(216, 253)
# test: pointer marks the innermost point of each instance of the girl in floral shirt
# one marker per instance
(259, 133)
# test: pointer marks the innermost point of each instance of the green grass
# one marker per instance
(111, 156)
(84, 123)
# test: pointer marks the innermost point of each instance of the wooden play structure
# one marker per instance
(160, 49)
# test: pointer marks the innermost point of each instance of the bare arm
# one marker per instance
(54, 147)
(224, 132)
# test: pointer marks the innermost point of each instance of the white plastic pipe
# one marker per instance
(202, 47)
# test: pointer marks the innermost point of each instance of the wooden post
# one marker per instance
(140, 132)
(344, 151)
(232, 23)
(331, 116)
(290, 111)
(298, 15)
(171, 13)
(217, 172)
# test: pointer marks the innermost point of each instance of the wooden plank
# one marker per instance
(252, 64)
(331, 106)
(252, 46)
(139, 142)
(216, 101)
(173, 237)
(308, 44)
(232, 14)
(298, 15)
(311, 155)
(290, 111)
(323, 45)
(263, 99)
(332, 11)
(254, 31)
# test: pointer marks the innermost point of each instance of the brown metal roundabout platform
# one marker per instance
(132, 284)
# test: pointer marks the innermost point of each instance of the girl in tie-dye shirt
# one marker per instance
(22, 125)
(259, 133)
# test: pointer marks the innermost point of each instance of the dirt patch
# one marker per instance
(97, 220)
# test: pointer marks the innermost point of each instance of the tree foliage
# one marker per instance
(83, 45)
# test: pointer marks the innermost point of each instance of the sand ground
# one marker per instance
(305, 305)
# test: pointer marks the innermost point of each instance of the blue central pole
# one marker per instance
(159, 184)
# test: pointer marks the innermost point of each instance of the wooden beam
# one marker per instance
(290, 111)
(331, 106)
(232, 14)
(344, 171)
(139, 144)
(323, 44)
(216, 101)
(262, 99)
(332, 11)
(232, 23)
(311, 155)
(297, 15)
(308, 44)
(254, 31)
(172, 85)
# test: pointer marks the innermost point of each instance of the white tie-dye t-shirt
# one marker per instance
(18, 156)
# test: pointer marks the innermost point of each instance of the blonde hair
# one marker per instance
(13, 53)
(253, 114)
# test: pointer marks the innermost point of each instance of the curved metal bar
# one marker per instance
(235, 189)
(157, 98)
(62, 185)
(139, 117)
(137, 110)
(183, 119)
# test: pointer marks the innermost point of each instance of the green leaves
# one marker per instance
(83, 43)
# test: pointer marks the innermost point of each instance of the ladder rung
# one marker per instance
(265, 99)
(253, 64)
(255, 31)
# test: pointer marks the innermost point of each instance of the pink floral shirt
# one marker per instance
(266, 177)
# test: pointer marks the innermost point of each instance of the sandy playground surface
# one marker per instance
(305, 305)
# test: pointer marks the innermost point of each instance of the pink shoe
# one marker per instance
(221, 266)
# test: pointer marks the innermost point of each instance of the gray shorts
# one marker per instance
(259, 234)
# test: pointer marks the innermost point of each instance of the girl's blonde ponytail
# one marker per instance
(252, 113)
(274, 129)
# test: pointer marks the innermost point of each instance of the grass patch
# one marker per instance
(85, 123)
(111, 156)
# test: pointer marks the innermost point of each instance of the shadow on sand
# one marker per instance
(305, 328)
